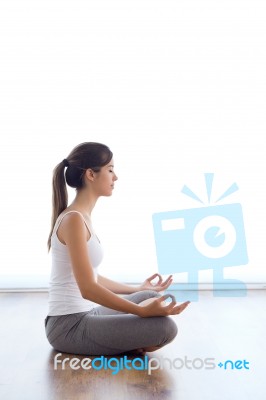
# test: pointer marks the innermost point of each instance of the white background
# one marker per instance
(174, 88)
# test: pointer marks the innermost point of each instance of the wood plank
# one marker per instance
(214, 327)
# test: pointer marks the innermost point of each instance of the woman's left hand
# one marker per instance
(157, 286)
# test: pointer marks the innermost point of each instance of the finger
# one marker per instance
(166, 296)
(170, 277)
(160, 279)
(185, 304)
(170, 307)
(167, 283)
(173, 309)
(181, 307)
(154, 276)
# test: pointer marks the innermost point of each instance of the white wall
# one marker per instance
(175, 88)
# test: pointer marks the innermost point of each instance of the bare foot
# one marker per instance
(152, 348)
(140, 352)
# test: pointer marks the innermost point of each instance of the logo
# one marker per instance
(117, 364)
(209, 237)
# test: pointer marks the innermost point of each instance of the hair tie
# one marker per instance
(65, 162)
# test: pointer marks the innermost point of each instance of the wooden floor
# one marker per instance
(222, 328)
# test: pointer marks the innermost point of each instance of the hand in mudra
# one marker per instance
(156, 286)
(157, 307)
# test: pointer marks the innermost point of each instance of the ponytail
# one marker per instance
(59, 197)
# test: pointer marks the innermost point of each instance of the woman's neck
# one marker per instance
(84, 203)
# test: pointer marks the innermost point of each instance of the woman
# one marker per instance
(87, 314)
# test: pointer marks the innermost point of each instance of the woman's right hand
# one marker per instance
(157, 307)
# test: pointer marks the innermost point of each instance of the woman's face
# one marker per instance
(104, 180)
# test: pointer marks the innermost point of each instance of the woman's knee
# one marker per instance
(138, 297)
(170, 329)
(147, 296)
(151, 293)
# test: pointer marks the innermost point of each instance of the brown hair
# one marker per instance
(84, 156)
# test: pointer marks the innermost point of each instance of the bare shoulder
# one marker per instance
(72, 225)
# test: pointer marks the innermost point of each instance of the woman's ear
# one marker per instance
(90, 174)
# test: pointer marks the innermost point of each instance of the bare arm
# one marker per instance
(121, 288)
(116, 287)
(74, 233)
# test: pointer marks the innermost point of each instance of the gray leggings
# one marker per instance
(103, 331)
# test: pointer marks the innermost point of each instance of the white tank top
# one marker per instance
(64, 294)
